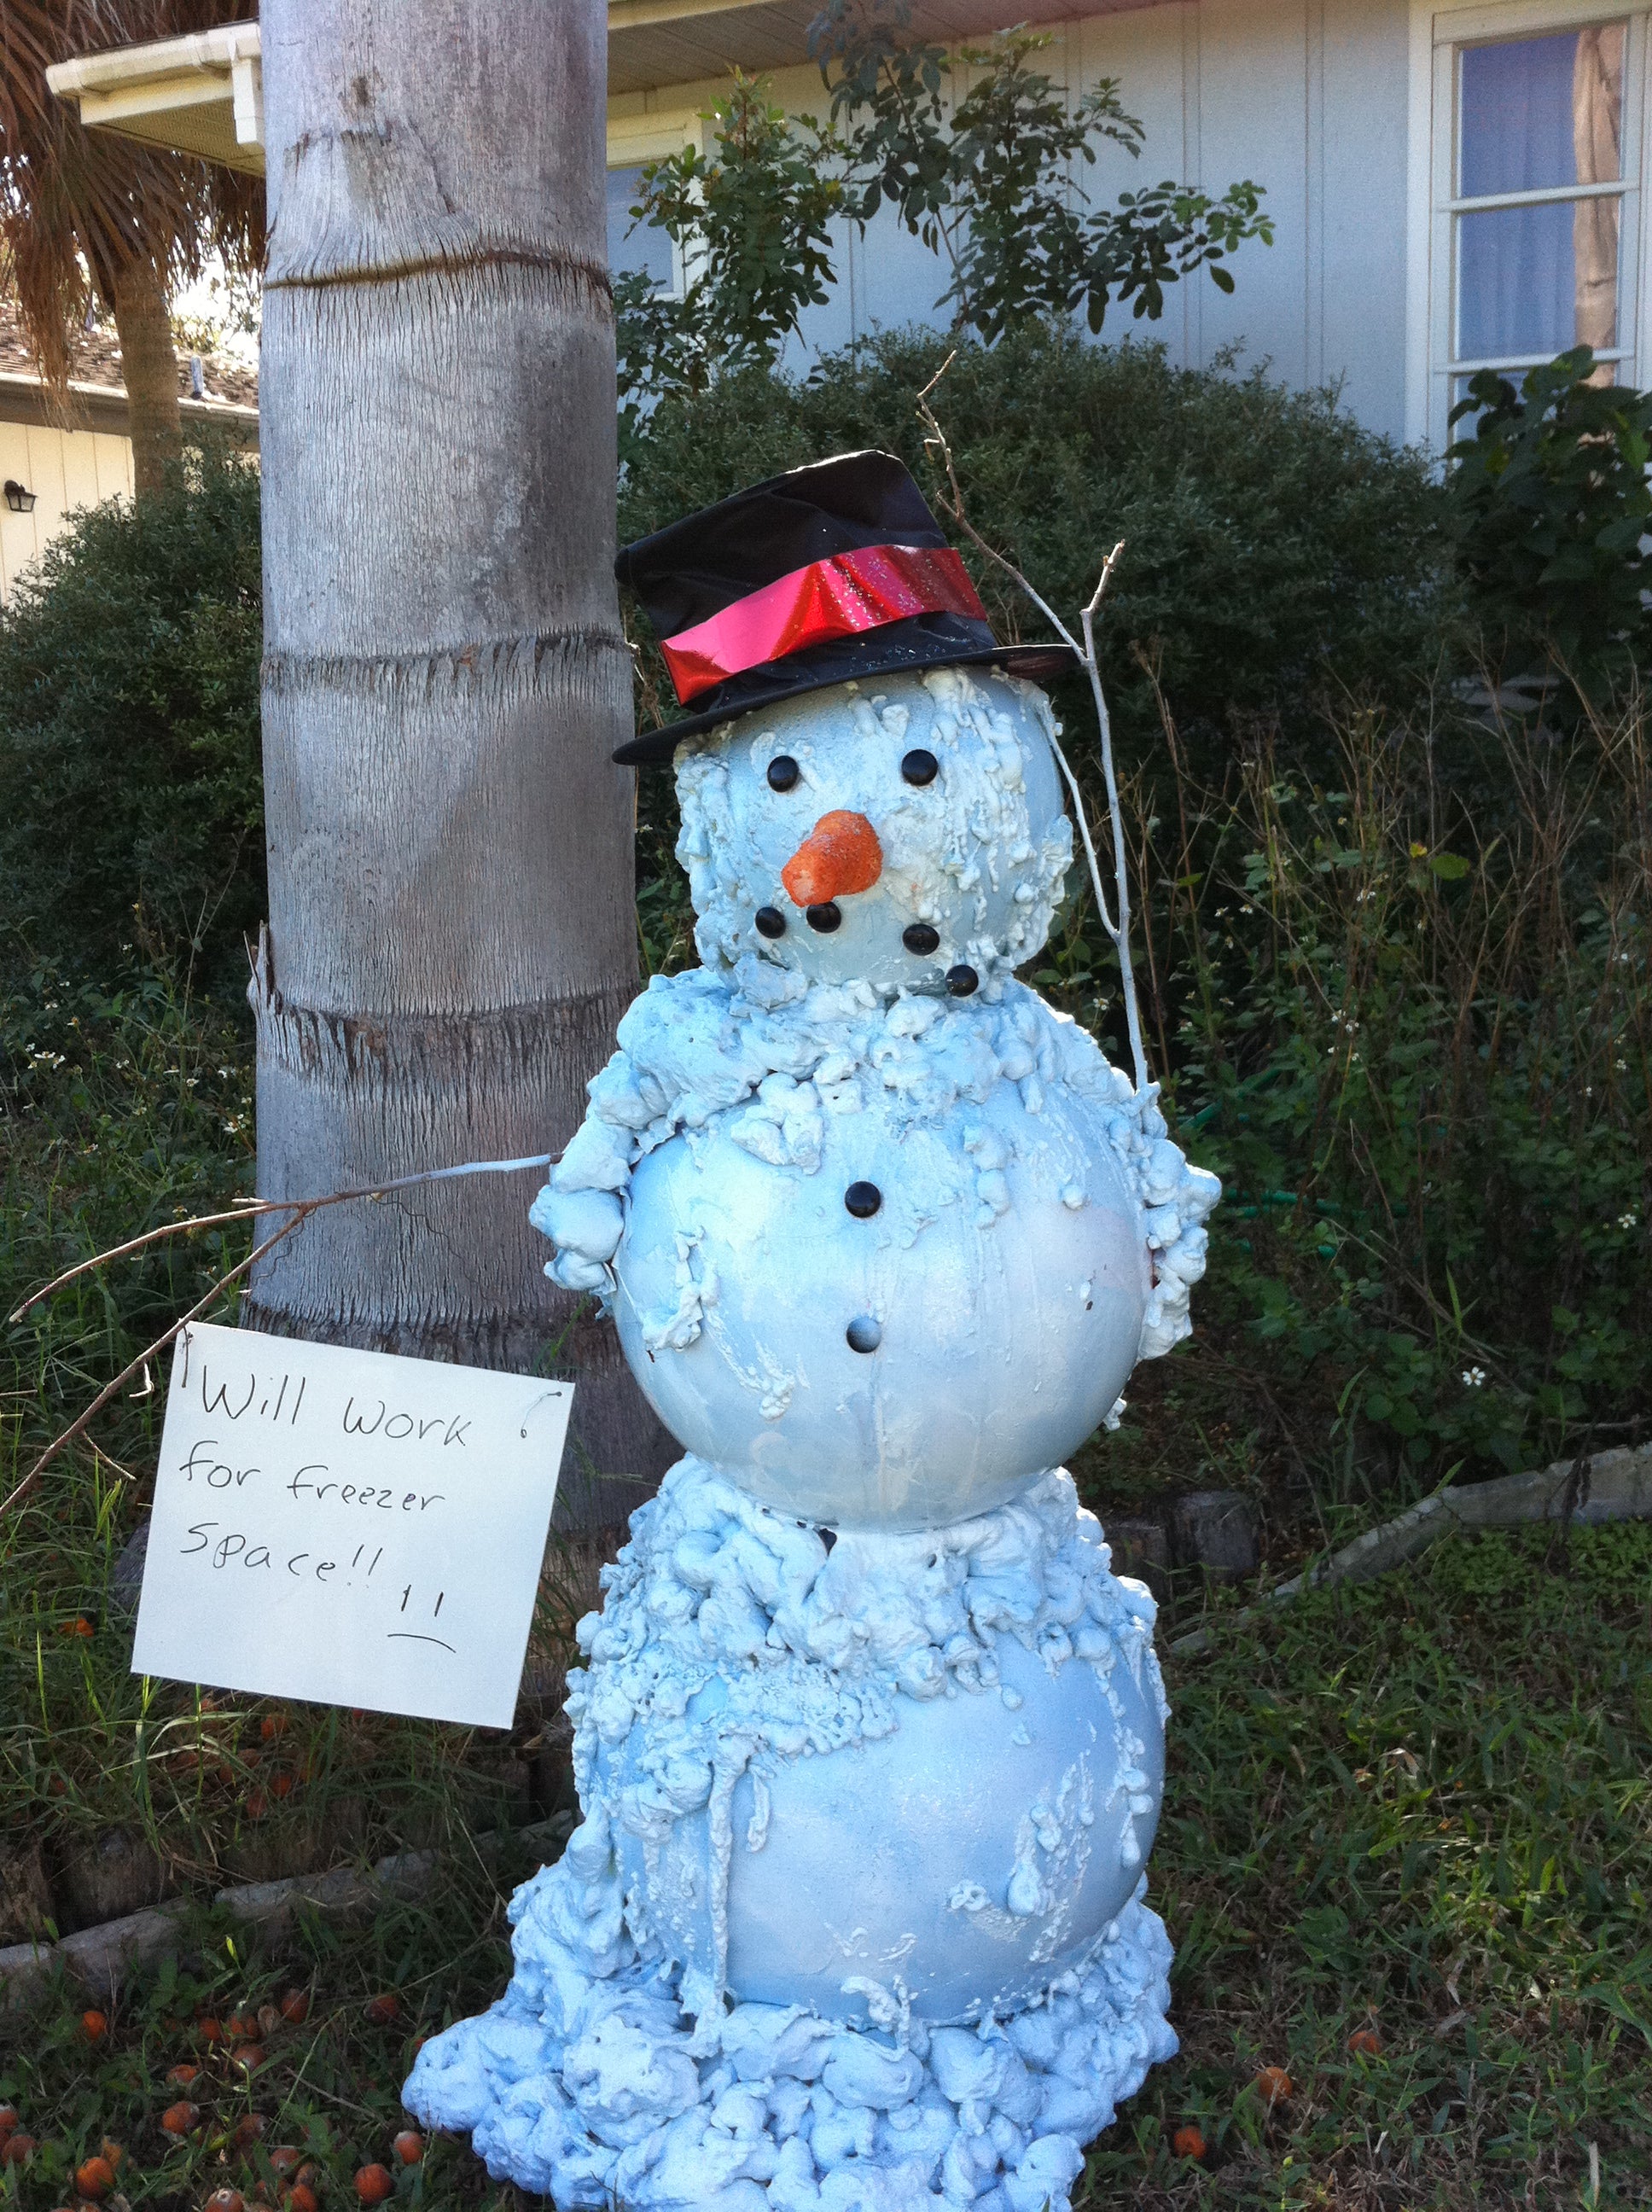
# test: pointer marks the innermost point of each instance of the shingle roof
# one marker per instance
(97, 361)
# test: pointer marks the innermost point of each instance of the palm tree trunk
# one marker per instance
(452, 934)
(148, 366)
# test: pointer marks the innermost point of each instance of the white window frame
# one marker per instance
(1439, 30)
(633, 140)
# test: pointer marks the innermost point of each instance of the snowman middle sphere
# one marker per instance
(904, 1367)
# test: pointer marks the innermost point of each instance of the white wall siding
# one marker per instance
(64, 470)
(1362, 189)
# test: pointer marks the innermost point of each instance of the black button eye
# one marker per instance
(826, 917)
(961, 981)
(918, 937)
(919, 766)
(783, 772)
(862, 1200)
(770, 921)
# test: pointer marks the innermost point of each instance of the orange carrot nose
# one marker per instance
(840, 853)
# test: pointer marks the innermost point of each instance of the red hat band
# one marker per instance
(861, 588)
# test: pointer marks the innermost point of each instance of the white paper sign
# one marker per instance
(349, 1527)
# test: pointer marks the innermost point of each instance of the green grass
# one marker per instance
(1423, 1805)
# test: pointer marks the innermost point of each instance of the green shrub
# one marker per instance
(1549, 508)
(130, 794)
(1278, 555)
(1416, 1043)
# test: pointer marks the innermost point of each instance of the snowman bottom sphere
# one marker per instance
(856, 1904)
(913, 1775)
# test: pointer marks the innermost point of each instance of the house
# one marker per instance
(1455, 184)
(56, 454)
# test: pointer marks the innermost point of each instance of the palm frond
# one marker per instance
(76, 205)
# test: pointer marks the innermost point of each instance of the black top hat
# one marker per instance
(831, 573)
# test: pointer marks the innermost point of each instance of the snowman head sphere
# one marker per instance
(868, 787)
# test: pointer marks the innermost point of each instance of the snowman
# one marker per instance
(869, 1742)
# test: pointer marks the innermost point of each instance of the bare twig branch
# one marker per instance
(298, 1209)
(254, 1208)
(247, 1213)
(1117, 929)
(109, 1390)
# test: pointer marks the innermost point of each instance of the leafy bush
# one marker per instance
(130, 794)
(990, 181)
(1278, 555)
(1550, 506)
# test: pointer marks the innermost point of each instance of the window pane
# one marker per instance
(1542, 112)
(644, 248)
(1537, 280)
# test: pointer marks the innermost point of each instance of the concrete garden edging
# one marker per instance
(1611, 1485)
(100, 1957)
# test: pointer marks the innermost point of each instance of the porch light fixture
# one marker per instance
(18, 498)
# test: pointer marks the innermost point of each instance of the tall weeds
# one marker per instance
(1407, 1018)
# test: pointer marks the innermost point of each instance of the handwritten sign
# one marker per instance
(349, 1527)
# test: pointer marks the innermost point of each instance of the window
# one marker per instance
(644, 249)
(1535, 193)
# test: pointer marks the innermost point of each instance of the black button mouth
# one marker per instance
(864, 1333)
(825, 918)
(919, 766)
(769, 921)
(918, 937)
(961, 981)
(862, 1200)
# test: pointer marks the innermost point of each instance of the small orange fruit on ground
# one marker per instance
(1187, 2142)
(381, 2010)
(373, 2185)
(224, 2200)
(248, 2129)
(1274, 2085)
(19, 2150)
(256, 1804)
(274, 1724)
(242, 2027)
(301, 2197)
(248, 2056)
(79, 1626)
(409, 2147)
(268, 2020)
(309, 2174)
(295, 2007)
(7, 2121)
(286, 2158)
(95, 2177)
(180, 2119)
(210, 2028)
(94, 2024)
(112, 2152)
(281, 1783)
(1366, 2042)
(181, 2075)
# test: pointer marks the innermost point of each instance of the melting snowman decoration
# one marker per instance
(870, 1740)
